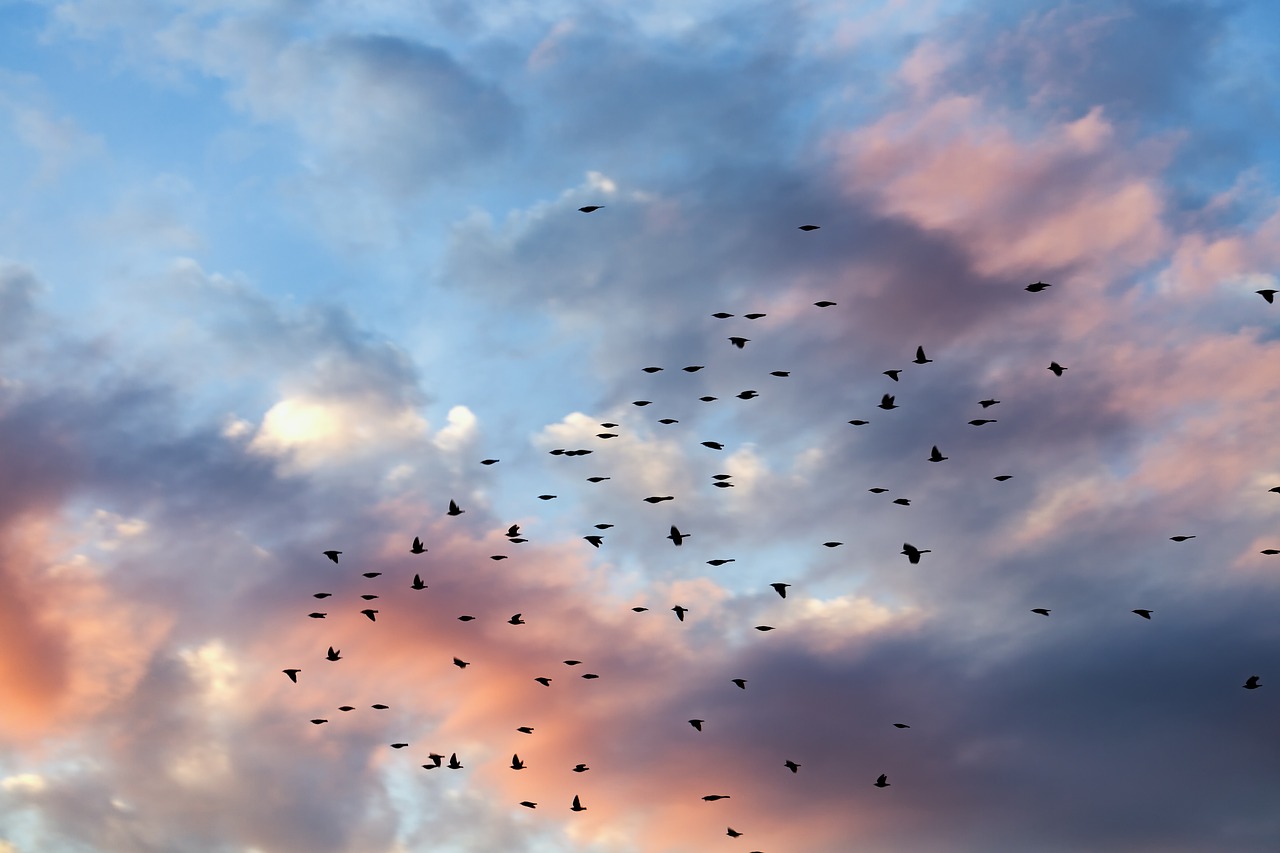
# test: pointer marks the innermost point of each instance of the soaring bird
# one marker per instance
(417, 583)
(1251, 683)
(693, 368)
(791, 765)
(877, 490)
(810, 227)
(935, 455)
(720, 562)
(580, 768)
(332, 555)
(598, 479)
(371, 574)
(920, 359)
(379, 707)
(292, 673)
(345, 708)
(981, 421)
(317, 615)
(1270, 552)
(697, 724)
(882, 782)
(1182, 538)
(368, 596)
(722, 315)
(591, 208)
(322, 594)
(489, 461)
(987, 403)
(711, 798)
(513, 530)
(1269, 295)
(739, 342)
(319, 722)
(1002, 477)
(657, 499)
(733, 833)
(651, 369)
(676, 536)
(857, 422)
(714, 445)
(577, 805)
(680, 612)
(516, 763)
(754, 316)
(370, 613)
(525, 729)
(780, 588)
(741, 682)
(543, 680)
(515, 620)
(781, 373)
(708, 399)
(453, 509)
(763, 628)
(886, 402)
(333, 655)
(901, 726)
(892, 374)
(454, 763)
(1145, 614)
(466, 618)
(1037, 287)
(832, 544)
(460, 663)
(913, 553)
(1056, 368)
(748, 395)
(526, 803)
(826, 303)
(1041, 610)
(594, 540)
(399, 745)
(417, 546)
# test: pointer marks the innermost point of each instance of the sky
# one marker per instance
(276, 276)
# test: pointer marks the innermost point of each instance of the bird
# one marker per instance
(739, 342)
(516, 763)
(292, 673)
(1145, 614)
(526, 803)
(832, 544)
(546, 497)
(711, 798)
(317, 615)
(657, 499)
(1002, 477)
(489, 461)
(901, 726)
(1056, 368)
(1269, 551)
(513, 530)
(892, 374)
(826, 303)
(580, 768)
(589, 675)
(741, 682)
(886, 402)
(935, 455)
(318, 722)
(981, 421)
(920, 358)
(676, 536)
(333, 655)
(577, 805)
(913, 553)
(1182, 538)
(591, 208)
(417, 583)
(453, 509)
(379, 707)
(721, 476)
(697, 724)
(345, 708)
(810, 227)
(791, 765)
(763, 628)
(782, 373)
(714, 445)
(543, 680)
(639, 609)
(371, 574)
(1041, 610)
(754, 316)
(515, 620)
(747, 395)
(720, 562)
(693, 368)
(877, 490)
(1251, 683)
(882, 782)
(1037, 286)
(454, 763)
(902, 501)
(322, 594)
(460, 663)
(598, 479)
(732, 833)
(571, 662)
(399, 745)
(417, 546)
(680, 612)
(332, 555)
(368, 596)
(859, 423)
(594, 540)
(370, 613)
(602, 526)
(1269, 295)
(436, 760)
(987, 403)
(708, 399)
(1274, 489)
(722, 315)
(780, 588)
(466, 618)
(651, 369)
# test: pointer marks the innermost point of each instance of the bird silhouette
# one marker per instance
(722, 315)
(791, 765)
(882, 782)
(780, 588)
(345, 708)
(454, 763)
(657, 499)
(543, 680)
(460, 663)
(466, 618)
(515, 620)
(1251, 683)
(902, 501)
(987, 403)
(368, 596)
(981, 421)
(516, 763)
(913, 553)
(810, 227)
(526, 803)
(1056, 368)
(417, 547)
(577, 805)
(920, 358)
(781, 373)
(1037, 287)
(370, 613)
(1268, 294)
(1145, 614)
(1269, 551)
(892, 374)
(693, 368)
(1181, 538)
(1041, 610)
(332, 555)
(292, 673)
(859, 423)
(598, 479)
(935, 455)
(697, 724)
(711, 798)
(733, 833)
(754, 316)
(720, 562)
(676, 536)
(901, 726)
(379, 707)
(317, 615)
(826, 303)
(651, 369)
(489, 461)
(399, 745)
(714, 445)
(319, 722)
(594, 540)
(417, 583)
(591, 208)
(513, 530)
(877, 490)
(739, 342)
(763, 628)
(322, 594)
(453, 509)
(580, 768)
(748, 395)
(371, 574)
(741, 682)
(708, 399)
(886, 402)
(1002, 477)
(832, 544)
(333, 655)
(680, 612)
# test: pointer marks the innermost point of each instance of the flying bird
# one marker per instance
(783, 373)
(722, 315)
(572, 662)
(697, 724)
(987, 403)
(693, 368)
(332, 555)
(515, 620)
(913, 553)
(780, 588)
(453, 509)
(676, 536)
(546, 497)
(454, 763)
(1037, 287)
(489, 461)
(368, 596)
(526, 803)
(379, 707)
(920, 359)
(764, 628)
(810, 227)
(460, 663)
(877, 490)
(1056, 368)
(1269, 551)
(892, 374)
(741, 682)
(318, 722)
(754, 316)
(598, 479)
(543, 680)
(832, 544)
(708, 399)
(513, 530)
(417, 546)
(591, 208)
(292, 673)
(720, 562)
(901, 726)
(935, 455)
(886, 402)
(580, 768)
(859, 423)
(882, 782)
(594, 540)
(714, 445)
(1182, 538)
(1002, 477)
(747, 395)
(371, 574)
(370, 613)
(322, 594)
(711, 798)
(1269, 295)
(732, 833)
(902, 501)
(680, 612)
(1145, 614)
(739, 342)
(399, 745)
(417, 583)
(826, 303)
(791, 765)
(345, 708)
(1251, 683)
(516, 763)
(981, 421)
(639, 609)
(317, 615)
(577, 805)
(1041, 610)
(333, 655)
(651, 369)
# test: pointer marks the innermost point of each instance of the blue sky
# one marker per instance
(276, 276)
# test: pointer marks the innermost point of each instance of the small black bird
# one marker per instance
(733, 833)
(594, 540)
(782, 373)
(913, 553)
(877, 490)
(318, 722)
(882, 782)
(680, 612)
(598, 479)
(1145, 614)
(370, 613)
(332, 555)
(526, 803)
(720, 562)
(676, 536)
(859, 423)
(399, 745)
(379, 707)
(892, 374)
(454, 763)
(901, 726)
(641, 402)
(580, 768)
(516, 620)
(417, 546)
(1056, 368)
(810, 227)
(657, 499)
(747, 395)
(591, 208)
(453, 509)
(722, 315)
(739, 342)
(791, 765)
(543, 680)
(1041, 610)
(902, 501)
(935, 455)
(322, 594)
(824, 303)
(1002, 477)
(708, 399)
(1269, 295)
(466, 618)
(697, 724)
(292, 673)
(345, 708)
(780, 588)
(981, 421)
(371, 574)
(1251, 683)
(693, 368)
(764, 628)
(489, 461)
(1182, 538)
(460, 663)
(711, 798)
(577, 805)
(333, 655)
(317, 615)
(886, 402)
(417, 583)
(516, 763)
(741, 682)
(754, 316)
(1037, 287)
(832, 544)
(920, 359)
(651, 369)
(714, 445)
(987, 403)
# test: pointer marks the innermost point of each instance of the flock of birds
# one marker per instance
(677, 538)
